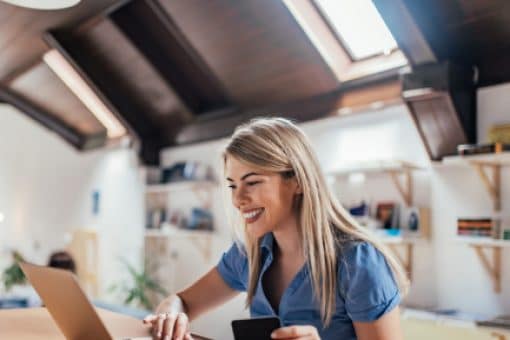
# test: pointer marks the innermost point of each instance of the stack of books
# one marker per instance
(476, 149)
(476, 227)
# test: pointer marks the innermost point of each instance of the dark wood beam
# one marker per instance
(40, 115)
(354, 94)
(160, 40)
(405, 31)
(107, 89)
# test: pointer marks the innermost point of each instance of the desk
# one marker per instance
(36, 323)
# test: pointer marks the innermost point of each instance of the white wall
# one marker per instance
(46, 191)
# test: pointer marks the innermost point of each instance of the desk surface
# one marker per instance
(36, 323)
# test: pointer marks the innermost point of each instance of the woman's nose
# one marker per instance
(240, 198)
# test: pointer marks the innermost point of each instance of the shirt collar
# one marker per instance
(267, 242)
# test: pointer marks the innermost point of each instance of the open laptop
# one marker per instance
(69, 306)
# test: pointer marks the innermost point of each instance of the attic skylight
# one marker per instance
(359, 27)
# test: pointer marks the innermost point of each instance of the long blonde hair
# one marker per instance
(278, 145)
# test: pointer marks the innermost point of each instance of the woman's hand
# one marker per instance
(296, 333)
(166, 326)
(169, 320)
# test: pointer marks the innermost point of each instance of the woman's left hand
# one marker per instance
(296, 333)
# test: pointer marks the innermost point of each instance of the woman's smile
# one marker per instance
(251, 216)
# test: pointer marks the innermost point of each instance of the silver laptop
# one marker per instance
(70, 308)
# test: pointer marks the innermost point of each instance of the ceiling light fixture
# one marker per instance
(66, 72)
(43, 4)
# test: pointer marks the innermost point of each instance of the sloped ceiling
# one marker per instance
(182, 71)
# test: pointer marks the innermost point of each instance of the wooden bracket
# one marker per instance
(406, 190)
(204, 245)
(494, 268)
(493, 187)
(407, 260)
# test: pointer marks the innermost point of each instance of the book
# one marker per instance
(476, 149)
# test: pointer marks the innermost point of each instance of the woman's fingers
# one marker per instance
(168, 326)
(181, 326)
(295, 332)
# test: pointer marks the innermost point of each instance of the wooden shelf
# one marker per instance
(179, 186)
(396, 169)
(482, 241)
(369, 167)
(493, 266)
(501, 158)
(481, 163)
(407, 244)
(202, 239)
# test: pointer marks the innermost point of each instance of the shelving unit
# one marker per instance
(494, 162)
(492, 265)
(400, 172)
(399, 243)
(483, 164)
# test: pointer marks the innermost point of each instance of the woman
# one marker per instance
(302, 258)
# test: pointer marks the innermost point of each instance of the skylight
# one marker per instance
(359, 27)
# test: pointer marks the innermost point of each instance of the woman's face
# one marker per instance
(264, 199)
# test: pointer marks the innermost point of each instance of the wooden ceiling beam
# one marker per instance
(405, 31)
(97, 77)
(160, 40)
(40, 115)
(356, 95)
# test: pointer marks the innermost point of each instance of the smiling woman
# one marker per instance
(299, 255)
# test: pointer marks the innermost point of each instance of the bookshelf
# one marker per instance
(155, 189)
(484, 163)
(488, 167)
(400, 173)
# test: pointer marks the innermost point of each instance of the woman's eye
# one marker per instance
(253, 183)
(232, 187)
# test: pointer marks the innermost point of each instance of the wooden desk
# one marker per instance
(36, 323)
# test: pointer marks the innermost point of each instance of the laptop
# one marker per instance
(71, 309)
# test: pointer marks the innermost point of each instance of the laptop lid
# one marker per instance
(66, 302)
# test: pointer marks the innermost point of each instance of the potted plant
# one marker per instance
(136, 292)
(13, 275)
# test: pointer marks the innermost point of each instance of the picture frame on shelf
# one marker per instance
(387, 213)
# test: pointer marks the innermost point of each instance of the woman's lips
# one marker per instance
(253, 215)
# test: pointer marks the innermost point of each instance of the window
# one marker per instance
(358, 26)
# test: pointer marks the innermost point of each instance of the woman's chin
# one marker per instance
(255, 231)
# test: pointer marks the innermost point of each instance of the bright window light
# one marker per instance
(359, 26)
(80, 88)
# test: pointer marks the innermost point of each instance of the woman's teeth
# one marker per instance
(252, 214)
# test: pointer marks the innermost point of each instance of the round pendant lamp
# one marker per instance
(43, 4)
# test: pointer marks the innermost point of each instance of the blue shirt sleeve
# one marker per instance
(366, 282)
(233, 268)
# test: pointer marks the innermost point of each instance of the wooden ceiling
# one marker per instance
(181, 71)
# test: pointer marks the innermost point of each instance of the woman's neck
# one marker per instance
(288, 240)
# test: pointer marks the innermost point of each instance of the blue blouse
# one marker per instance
(366, 289)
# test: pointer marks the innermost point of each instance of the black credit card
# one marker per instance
(255, 329)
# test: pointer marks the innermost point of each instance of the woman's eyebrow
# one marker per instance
(244, 177)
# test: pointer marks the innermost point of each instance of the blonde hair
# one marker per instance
(278, 145)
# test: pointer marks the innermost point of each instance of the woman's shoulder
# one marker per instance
(361, 257)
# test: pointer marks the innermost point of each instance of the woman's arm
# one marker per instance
(386, 327)
(208, 292)
(172, 316)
